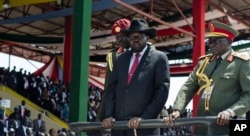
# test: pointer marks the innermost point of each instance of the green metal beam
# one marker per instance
(80, 61)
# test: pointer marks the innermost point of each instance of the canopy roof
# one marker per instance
(35, 29)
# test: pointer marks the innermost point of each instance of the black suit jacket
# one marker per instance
(20, 131)
(36, 125)
(147, 92)
(20, 112)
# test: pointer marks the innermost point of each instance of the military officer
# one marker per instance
(123, 43)
(222, 79)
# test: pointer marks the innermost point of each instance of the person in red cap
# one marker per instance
(123, 43)
(221, 79)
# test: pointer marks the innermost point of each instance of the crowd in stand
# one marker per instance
(93, 102)
(47, 93)
(50, 95)
(19, 123)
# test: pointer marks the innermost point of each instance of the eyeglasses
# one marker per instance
(137, 36)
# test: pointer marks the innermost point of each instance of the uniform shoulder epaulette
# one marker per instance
(204, 56)
(241, 56)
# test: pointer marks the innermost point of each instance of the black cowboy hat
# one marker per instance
(139, 25)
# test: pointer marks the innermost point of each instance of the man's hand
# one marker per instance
(223, 117)
(107, 123)
(134, 122)
(171, 118)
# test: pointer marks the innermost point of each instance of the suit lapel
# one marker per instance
(220, 68)
(142, 63)
(209, 68)
(223, 63)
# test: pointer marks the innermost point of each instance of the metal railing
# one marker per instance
(149, 123)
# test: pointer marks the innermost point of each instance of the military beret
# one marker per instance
(120, 25)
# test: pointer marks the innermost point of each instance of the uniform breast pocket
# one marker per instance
(228, 76)
(226, 82)
(228, 79)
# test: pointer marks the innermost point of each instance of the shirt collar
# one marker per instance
(223, 56)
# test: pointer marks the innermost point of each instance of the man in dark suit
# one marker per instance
(38, 123)
(22, 109)
(14, 122)
(139, 85)
(221, 80)
(21, 131)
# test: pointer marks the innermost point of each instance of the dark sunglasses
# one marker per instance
(217, 40)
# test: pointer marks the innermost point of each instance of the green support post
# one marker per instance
(80, 61)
